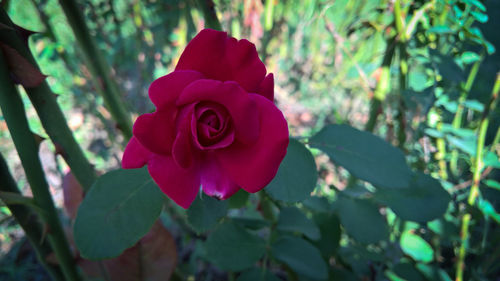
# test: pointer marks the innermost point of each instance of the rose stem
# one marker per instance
(209, 13)
(51, 116)
(27, 219)
(403, 71)
(101, 71)
(477, 166)
(27, 148)
(457, 120)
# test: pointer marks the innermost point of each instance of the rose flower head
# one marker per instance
(215, 124)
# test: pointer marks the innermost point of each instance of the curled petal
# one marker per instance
(180, 184)
(214, 181)
(220, 57)
(156, 131)
(165, 90)
(238, 103)
(267, 87)
(135, 155)
(253, 167)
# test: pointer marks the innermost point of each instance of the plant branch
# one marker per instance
(28, 221)
(51, 116)
(27, 148)
(476, 177)
(99, 67)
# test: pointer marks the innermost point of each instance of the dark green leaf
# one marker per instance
(252, 223)
(318, 204)
(365, 155)
(297, 175)
(239, 199)
(329, 227)
(301, 256)
(257, 274)
(205, 212)
(292, 219)
(118, 210)
(362, 220)
(407, 271)
(233, 248)
(424, 201)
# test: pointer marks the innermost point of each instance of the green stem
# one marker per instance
(28, 221)
(403, 71)
(383, 86)
(209, 13)
(440, 155)
(99, 67)
(27, 148)
(457, 120)
(476, 177)
(51, 116)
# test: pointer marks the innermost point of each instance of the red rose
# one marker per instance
(215, 123)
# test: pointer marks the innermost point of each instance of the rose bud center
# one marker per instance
(213, 128)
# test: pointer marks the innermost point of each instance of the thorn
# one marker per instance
(24, 34)
(60, 150)
(38, 138)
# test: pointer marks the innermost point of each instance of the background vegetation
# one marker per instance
(421, 75)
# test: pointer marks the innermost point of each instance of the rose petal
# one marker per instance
(253, 167)
(220, 57)
(156, 131)
(165, 90)
(267, 87)
(237, 102)
(182, 150)
(135, 155)
(181, 185)
(214, 181)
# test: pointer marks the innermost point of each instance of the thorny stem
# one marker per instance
(476, 178)
(51, 116)
(27, 148)
(29, 222)
(99, 67)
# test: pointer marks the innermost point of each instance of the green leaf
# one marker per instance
(480, 17)
(488, 210)
(257, 274)
(231, 247)
(205, 212)
(474, 105)
(301, 256)
(318, 204)
(441, 29)
(362, 220)
(252, 223)
(423, 201)
(293, 220)
(470, 57)
(119, 209)
(364, 155)
(297, 175)
(239, 199)
(493, 184)
(343, 275)
(329, 227)
(408, 272)
(491, 160)
(416, 247)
